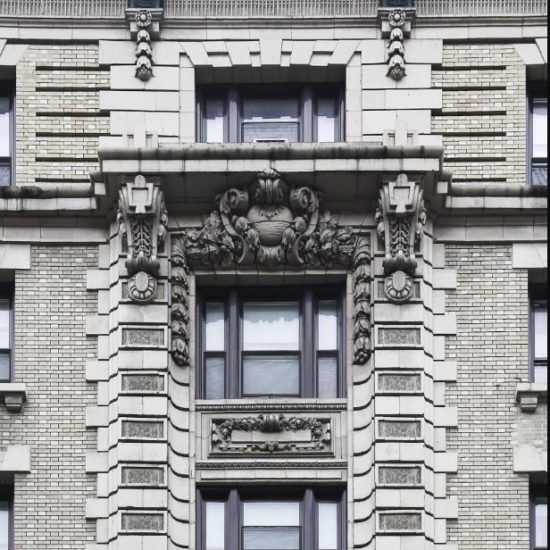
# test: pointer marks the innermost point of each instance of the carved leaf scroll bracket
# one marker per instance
(400, 218)
(272, 225)
(142, 218)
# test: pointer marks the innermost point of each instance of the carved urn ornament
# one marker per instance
(144, 52)
(142, 218)
(400, 219)
(270, 225)
(396, 49)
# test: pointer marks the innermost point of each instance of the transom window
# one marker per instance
(538, 104)
(254, 520)
(6, 332)
(274, 113)
(6, 137)
(539, 334)
(539, 517)
(273, 343)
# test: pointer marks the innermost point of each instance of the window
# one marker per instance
(539, 334)
(6, 137)
(6, 499)
(539, 517)
(282, 114)
(6, 332)
(264, 520)
(264, 342)
(538, 139)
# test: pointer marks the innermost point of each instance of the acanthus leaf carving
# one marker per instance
(400, 218)
(142, 219)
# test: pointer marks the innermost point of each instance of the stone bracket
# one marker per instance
(396, 28)
(529, 395)
(13, 395)
(144, 26)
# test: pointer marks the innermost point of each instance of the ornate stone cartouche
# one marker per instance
(142, 218)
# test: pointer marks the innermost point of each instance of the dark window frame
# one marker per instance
(6, 495)
(7, 292)
(234, 298)
(307, 93)
(536, 91)
(7, 91)
(233, 497)
(538, 293)
(538, 494)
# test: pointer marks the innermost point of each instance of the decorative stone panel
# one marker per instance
(138, 522)
(399, 382)
(398, 475)
(141, 429)
(398, 429)
(137, 337)
(142, 383)
(398, 337)
(142, 476)
(398, 522)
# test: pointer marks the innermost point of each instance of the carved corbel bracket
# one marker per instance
(142, 218)
(144, 25)
(396, 29)
(400, 219)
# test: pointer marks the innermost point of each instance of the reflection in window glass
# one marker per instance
(327, 378)
(215, 525)
(214, 378)
(328, 525)
(215, 326)
(4, 324)
(541, 525)
(271, 375)
(327, 325)
(5, 146)
(326, 119)
(541, 331)
(540, 128)
(271, 326)
(214, 119)
(270, 119)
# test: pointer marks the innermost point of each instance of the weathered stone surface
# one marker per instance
(400, 429)
(134, 475)
(403, 475)
(142, 337)
(392, 382)
(398, 336)
(410, 521)
(142, 383)
(142, 429)
(142, 522)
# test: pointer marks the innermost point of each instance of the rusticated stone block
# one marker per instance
(402, 476)
(142, 337)
(142, 522)
(142, 383)
(405, 521)
(135, 475)
(142, 429)
(400, 429)
(400, 383)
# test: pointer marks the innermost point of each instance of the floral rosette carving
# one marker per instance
(144, 51)
(396, 48)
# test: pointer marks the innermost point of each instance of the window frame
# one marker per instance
(7, 91)
(536, 91)
(234, 497)
(307, 94)
(234, 299)
(7, 292)
(538, 293)
(6, 495)
(538, 494)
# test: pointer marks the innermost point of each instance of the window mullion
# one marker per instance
(307, 130)
(233, 347)
(233, 116)
(309, 523)
(307, 345)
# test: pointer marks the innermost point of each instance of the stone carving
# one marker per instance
(142, 218)
(134, 475)
(405, 521)
(147, 383)
(270, 225)
(142, 429)
(400, 383)
(142, 337)
(142, 522)
(400, 337)
(144, 52)
(401, 476)
(319, 439)
(396, 49)
(399, 429)
(179, 310)
(400, 218)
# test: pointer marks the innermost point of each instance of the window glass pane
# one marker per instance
(541, 373)
(5, 174)
(215, 326)
(4, 525)
(326, 119)
(214, 117)
(540, 128)
(328, 526)
(214, 378)
(271, 538)
(271, 513)
(4, 127)
(541, 527)
(271, 326)
(4, 366)
(4, 323)
(271, 375)
(215, 525)
(280, 108)
(539, 174)
(286, 132)
(541, 335)
(327, 384)
(327, 326)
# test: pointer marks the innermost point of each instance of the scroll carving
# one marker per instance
(270, 225)
(142, 218)
(400, 218)
(319, 438)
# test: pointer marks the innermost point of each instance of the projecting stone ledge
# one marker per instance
(529, 396)
(13, 396)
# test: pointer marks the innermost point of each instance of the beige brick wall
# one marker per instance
(51, 303)
(491, 303)
(57, 111)
(483, 119)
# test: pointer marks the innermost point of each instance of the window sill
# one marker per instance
(529, 395)
(13, 395)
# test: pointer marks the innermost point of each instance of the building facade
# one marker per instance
(273, 275)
